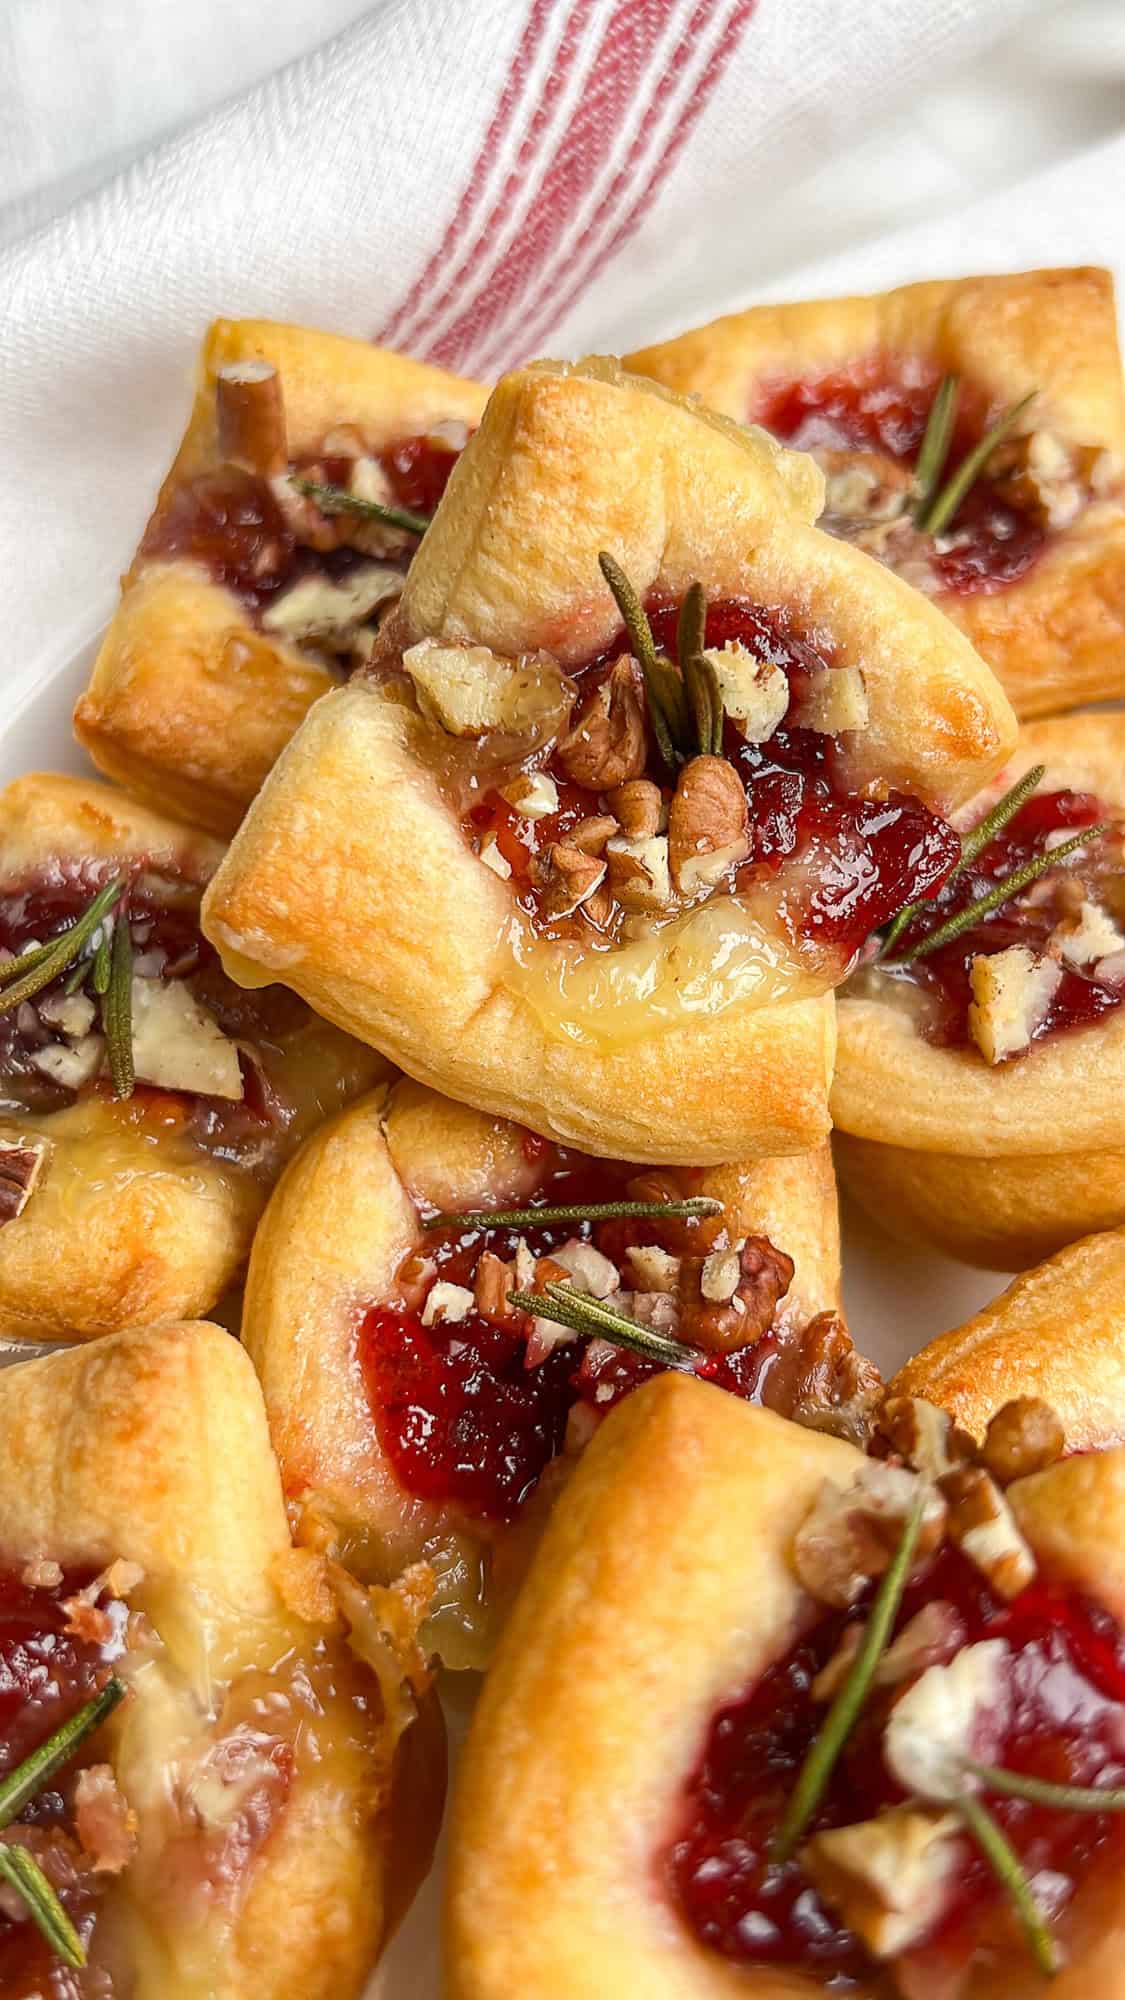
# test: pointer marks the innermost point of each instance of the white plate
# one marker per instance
(896, 1299)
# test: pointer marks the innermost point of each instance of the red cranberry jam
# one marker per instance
(1080, 997)
(1067, 1679)
(880, 405)
(229, 521)
(47, 1672)
(860, 859)
(464, 1418)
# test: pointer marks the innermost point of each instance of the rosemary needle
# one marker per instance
(596, 1321)
(117, 1009)
(824, 1752)
(21, 1870)
(935, 444)
(337, 500)
(944, 505)
(975, 840)
(23, 977)
(1000, 893)
(592, 1211)
(665, 705)
(1008, 1869)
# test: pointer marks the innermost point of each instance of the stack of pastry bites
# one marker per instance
(587, 753)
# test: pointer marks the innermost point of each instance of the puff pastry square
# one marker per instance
(246, 600)
(550, 954)
(631, 1754)
(1058, 1332)
(416, 1409)
(980, 1094)
(1033, 567)
(254, 1814)
(122, 1211)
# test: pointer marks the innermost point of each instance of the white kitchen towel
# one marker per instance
(476, 182)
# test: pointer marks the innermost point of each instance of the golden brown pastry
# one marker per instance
(248, 598)
(1058, 1332)
(1031, 564)
(463, 855)
(253, 1815)
(131, 1198)
(980, 1089)
(697, 1604)
(426, 1416)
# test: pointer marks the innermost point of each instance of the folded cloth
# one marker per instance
(472, 183)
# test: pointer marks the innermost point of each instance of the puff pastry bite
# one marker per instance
(1057, 1332)
(631, 888)
(146, 1103)
(705, 1598)
(422, 1408)
(1030, 562)
(250, 596)
(226, 1830)
(981, 1085)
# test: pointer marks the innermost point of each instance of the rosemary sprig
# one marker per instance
(817, 1769)
(935, 445)
(1008, 1869)
(973, 842)
(103, 962)
(26, 976)
(337, 500)
(701, 682)
(596, 1321)
(591, 1211)
(19, 1867)
(943, 507)
(19, 1787)
(1041, 1792)
(667, 704)
(21, 1870)
(117, 1009)
(1001, 892)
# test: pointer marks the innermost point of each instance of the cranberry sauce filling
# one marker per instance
(1067, 1669)
(880, 405)
(860, 859)
(168, 945)
(231, 523)
(1080, 997)
(462, 1416)
(47, 1672)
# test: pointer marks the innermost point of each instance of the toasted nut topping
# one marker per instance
(491, 855)
(718, 1280)
(472, 691)
(606, 745)
(21, 1164)
(533, 794)
(588, 1269)
(493, 1281)
(652, 1269)
(639, 806)
(929, 1639)
(819, 1380)
(707, 823)
(754, 692)
(927, 1437)
(638, 872)
(590, 835)
(984, 1528)
(889, 1878)
(1024, 1437)
(1012, 991)
(851, 1533)
(598, 909)
(567, 877)
(447, 1302)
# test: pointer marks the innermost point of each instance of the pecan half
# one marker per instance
(820, 1380)
(606, 745)
(720, 1326)
(639, 807)
(707, 823)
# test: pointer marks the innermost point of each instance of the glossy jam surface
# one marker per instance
(46, 1672)
(462, 1417)
(881, 405)
(859, 859)
(229, 521)
(1067, 1723)
(1079, 999)
(163, 920)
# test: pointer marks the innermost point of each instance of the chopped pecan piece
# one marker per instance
(707, 823)
(1024, 1437)
(639, 807)
(21, 1163)
(821, 1381)
(851, 1533)
(493, 1282)
(889, 1878)
(567, 878)
(929, 1639)
(925, 1436)
(590, 835)
(638, 872)
(606, 745)
(652, 1269)
(984, 1528)
(104, 1822)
